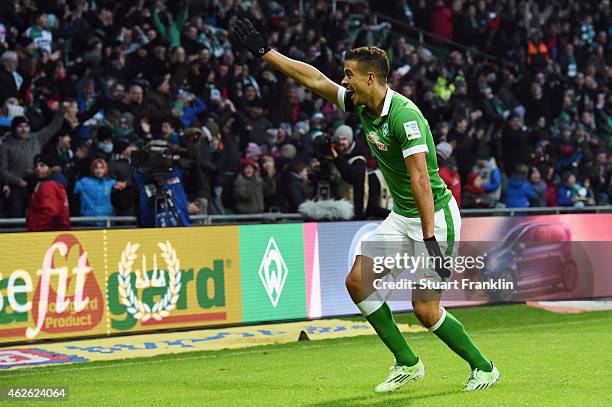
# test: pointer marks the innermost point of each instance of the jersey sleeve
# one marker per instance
(411, 129)
(344, 100)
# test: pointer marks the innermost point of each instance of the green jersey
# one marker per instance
(399, 132)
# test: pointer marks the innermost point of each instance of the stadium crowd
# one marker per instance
(521, 117)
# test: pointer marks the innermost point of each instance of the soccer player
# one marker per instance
(423, 208)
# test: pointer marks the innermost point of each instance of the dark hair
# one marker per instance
(372, 59)
(296, 166)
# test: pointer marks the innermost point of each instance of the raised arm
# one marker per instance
(304, 74)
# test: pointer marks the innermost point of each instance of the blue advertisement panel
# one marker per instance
(339, 243)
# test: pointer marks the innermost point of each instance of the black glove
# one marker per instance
(433, 248)
(250, 37)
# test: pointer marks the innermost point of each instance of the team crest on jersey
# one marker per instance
(373, 138)
(412, 130)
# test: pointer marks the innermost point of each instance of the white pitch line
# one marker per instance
(212, 354)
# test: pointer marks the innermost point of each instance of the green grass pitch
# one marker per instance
(545, 359)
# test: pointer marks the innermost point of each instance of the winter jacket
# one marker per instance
(158, 106)
(515, 147)
(8, 87)
(95, 196)
(540, 189)
(249, 194)
(453, 182)
(518, 193)
(442, 21)
(17, 155)
(297, 191)
(564, 196)
(48, 209)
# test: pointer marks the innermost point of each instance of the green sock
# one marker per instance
(384, 324)
(452, 333)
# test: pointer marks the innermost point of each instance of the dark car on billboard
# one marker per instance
(535, 257)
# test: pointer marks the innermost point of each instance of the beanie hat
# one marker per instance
(344, 131)
(17, 120)
(288, 151)
(444, 150)
(248, 161)
(47, 159)
(253, 150)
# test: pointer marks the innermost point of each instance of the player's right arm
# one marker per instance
(304, 74)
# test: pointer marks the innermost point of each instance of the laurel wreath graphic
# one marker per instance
(127, 296)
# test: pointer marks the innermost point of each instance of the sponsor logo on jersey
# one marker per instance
(412, 130)
(373, 138)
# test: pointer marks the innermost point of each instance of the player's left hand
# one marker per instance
(433, 248)
(252, 40)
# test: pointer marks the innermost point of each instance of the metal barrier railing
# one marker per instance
(118, 222)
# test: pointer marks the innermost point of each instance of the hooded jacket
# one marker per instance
(518, 193)
(48, 209)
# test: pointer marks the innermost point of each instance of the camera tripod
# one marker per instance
(165, 212)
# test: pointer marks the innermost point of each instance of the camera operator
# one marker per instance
(162, 201)
(349, 160)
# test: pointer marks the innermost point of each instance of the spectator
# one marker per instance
(196, 181)
(48, 209)
(582, 194)
(60, 148)
(103, 146)
(565, 191)
(158, 103)
(255, 125)
(548, 176)
(17, 153)
(10, 80)
(39, 33)
(296, 185)
(95, 190)
(551, 69)
(442, 21)
(448, 171)
(169, 128)
(537, 105)
(350, 163)
(490, 175)
(120, 169)
(515, 144)
(539, 187)
(537, 51)
(269, 178)
(519, 190)
(473, 195)
(249, 189)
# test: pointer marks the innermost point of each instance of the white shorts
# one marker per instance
(398, 233)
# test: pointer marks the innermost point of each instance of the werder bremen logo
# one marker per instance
(273, 272)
